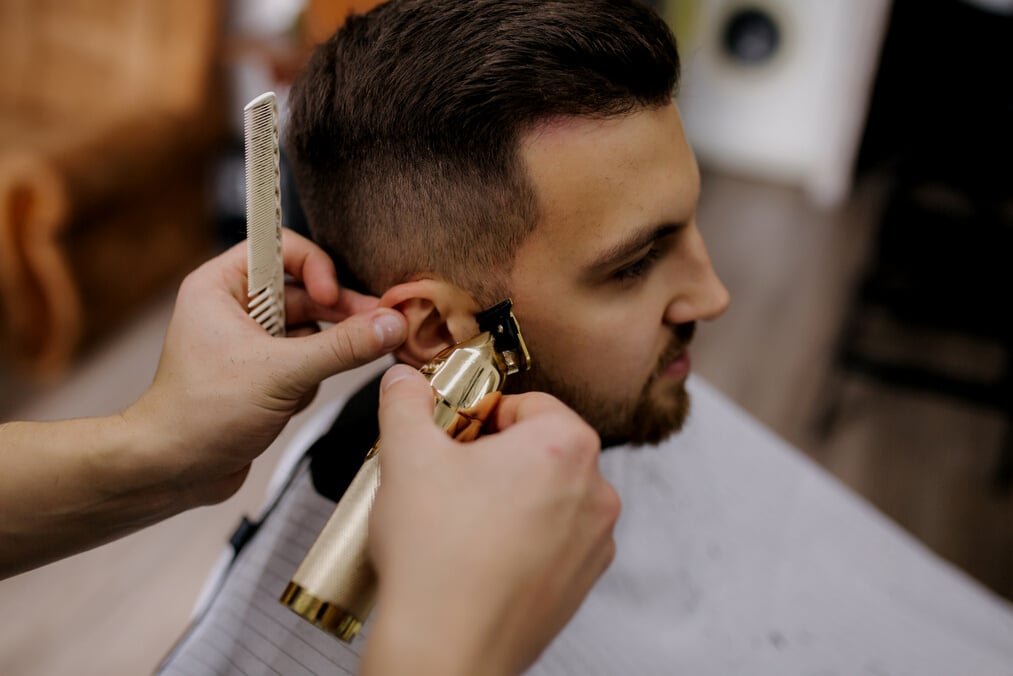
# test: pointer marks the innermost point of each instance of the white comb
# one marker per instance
(265, 266)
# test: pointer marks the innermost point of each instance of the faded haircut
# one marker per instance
(405, 126)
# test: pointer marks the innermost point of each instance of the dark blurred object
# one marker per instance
(110, 114)
(751, 36)
(281, 52)
(941, 268)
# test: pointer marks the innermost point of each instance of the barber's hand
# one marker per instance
(225, 388)
(494, 543)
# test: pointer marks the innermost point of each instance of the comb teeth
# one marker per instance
(265, 265)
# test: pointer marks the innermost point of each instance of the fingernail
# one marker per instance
(389, 328)
(394, 374)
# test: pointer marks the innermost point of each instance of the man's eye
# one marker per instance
(640, 266)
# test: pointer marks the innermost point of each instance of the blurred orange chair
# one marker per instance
(111, 112)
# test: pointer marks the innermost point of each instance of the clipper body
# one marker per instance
(335, 586)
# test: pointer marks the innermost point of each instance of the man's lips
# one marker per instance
(679, 366)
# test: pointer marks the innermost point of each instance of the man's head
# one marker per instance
(450, 154)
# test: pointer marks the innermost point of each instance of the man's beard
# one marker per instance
(659, 410)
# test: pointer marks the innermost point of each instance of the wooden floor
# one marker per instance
(923, 460)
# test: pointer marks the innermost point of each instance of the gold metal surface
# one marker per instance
(335, 586)
(336, 570)
(328, 617)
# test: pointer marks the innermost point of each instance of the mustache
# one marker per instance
(685, 332)
(682, 335)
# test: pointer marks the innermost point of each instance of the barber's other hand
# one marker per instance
(225, 388)
(494, 543)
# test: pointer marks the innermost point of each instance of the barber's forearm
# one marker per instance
(71, 485)
(409, 637)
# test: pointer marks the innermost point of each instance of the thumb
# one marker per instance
(358, 340)
(406, 410)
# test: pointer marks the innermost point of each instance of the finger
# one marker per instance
(610, 506)
(233, 258)
(300, 330)
(352, 302)
(300, 307)
(514, 408)
(311, 265)
(225, 272)
(314, 269)
(356, 341)
(301, 258)
(598, 561)
(306, 400)
(406, 409)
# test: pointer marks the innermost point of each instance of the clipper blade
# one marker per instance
(265, 266)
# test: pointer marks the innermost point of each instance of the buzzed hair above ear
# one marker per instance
(405, 126)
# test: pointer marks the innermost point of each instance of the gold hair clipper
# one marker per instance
(335, 586)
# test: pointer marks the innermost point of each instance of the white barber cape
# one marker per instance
(735, 555)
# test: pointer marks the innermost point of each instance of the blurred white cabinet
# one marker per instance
(779, 89)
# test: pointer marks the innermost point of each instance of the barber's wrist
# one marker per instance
(150, 439)
(128, 466)
(398, 645)
(411, 637)
(196, 457)
(158, 457)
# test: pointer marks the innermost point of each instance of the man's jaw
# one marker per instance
(651, 418)
(653, 421)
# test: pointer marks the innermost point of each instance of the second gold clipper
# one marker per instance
(335, 586)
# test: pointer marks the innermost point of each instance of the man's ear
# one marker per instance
(440, 314)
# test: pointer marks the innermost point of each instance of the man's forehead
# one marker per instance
(602, 182)
(561, 130)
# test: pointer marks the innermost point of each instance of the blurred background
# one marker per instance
(857, 201)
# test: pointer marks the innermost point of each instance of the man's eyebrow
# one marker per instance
(618, 253)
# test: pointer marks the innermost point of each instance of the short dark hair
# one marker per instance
(405, 125)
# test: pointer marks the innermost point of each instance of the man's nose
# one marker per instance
(705, 296)
(714, 297)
